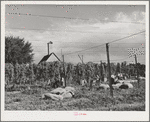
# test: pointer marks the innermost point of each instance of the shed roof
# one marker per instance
(45, 58)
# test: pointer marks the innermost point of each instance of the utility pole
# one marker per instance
(64, 70)
(137, 69)
(82, 59)
(109, 70)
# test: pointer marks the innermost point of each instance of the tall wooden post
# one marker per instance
(61, 54)
(109, 70)
(64, 70)
(48, 47)
(82, 59)
(137, 69)
(120, 67)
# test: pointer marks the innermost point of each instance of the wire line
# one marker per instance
(104, 43)
(127, 37)
(68, 31)
(133, 22)
(84, 49)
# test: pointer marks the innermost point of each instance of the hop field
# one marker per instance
(95, 99)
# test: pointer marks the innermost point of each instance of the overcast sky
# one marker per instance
(96, 25)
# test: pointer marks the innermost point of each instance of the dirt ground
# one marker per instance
(84, 100)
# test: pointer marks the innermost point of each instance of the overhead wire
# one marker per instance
(104, 43)
(112, 60)
(109, 42)
(85, 49)
(127, 37)
(83, 31)
(68, 31)
(133, 22)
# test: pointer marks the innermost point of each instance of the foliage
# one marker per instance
(118, 68)
(17, 50)
(32, 73)
(9, 73)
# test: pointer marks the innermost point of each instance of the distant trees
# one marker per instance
(17, 50)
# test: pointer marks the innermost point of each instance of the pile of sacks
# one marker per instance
(117, 86)
(123, 85)
(120, 84)
(60, 93)
(104, 86)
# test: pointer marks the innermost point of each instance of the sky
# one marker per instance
(77, 29)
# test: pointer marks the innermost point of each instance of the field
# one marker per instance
(84, 100)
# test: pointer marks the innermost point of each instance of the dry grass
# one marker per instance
(85, 99)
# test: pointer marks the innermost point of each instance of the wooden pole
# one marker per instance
(120, 67)
(61, 54)
(64, 70)
(82, 59)
(109, 70)
(48, 47)
(137, 70)
(102, 74)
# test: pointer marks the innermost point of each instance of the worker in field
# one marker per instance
(98, 80)
(112, 80)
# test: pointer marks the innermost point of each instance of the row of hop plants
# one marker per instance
(18, 74)
(35, 73)
(31, 73)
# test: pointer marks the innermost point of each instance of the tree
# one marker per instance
(17, 50)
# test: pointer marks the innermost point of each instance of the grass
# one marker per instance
(84, 99)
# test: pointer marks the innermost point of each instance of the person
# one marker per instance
(112, 80)
(116, 79)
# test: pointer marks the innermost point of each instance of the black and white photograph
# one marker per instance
(78, 59)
